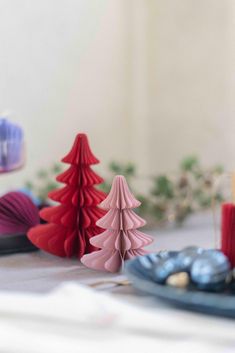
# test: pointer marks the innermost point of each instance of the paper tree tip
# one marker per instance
(120, 195)
(80, 152)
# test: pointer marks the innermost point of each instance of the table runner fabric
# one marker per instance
(74, 318)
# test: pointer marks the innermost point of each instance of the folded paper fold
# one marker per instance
(121, 219)
(17, 213)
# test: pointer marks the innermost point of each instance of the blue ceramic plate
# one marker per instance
(220, 304)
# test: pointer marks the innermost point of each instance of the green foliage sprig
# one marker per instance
(172, 197)
(190, 189)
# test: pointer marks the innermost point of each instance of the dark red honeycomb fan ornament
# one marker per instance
(73, 222)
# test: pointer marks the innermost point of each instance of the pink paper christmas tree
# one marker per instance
(121, 240)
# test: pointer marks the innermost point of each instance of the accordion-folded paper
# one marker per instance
(17, 213)
(72, 223)
(121, 240)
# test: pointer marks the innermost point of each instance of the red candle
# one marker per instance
(228, 231)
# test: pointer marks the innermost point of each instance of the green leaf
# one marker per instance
(42, 174)
(159, 212)
(189, 163)
(56, 168)
(219, 198)
(105, 187)
(145, 206)
(130, 170)
(115, 167)
(218, 169)
(29, 185)
(51, 185)
(163, 187)
(205, 201)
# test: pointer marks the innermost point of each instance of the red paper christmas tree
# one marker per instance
(73, 223)
(121, 240)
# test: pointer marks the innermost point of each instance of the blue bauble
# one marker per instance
(164, 268)
(187, 256)
(210, 270)
(146, 263)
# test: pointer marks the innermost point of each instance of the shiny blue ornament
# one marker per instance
(146, 263)
(164, 268)
(210, 270)
(186, 257)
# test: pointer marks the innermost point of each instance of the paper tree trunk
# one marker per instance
(121, 240)
(73, 222)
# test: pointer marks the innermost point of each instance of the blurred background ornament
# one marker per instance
(11, 146)
(17, 215)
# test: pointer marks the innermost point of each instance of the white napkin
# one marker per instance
(75, 318)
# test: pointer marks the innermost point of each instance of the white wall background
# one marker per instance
(148, 80)
(192, 81)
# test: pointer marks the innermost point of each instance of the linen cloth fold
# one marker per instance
(74, 318)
